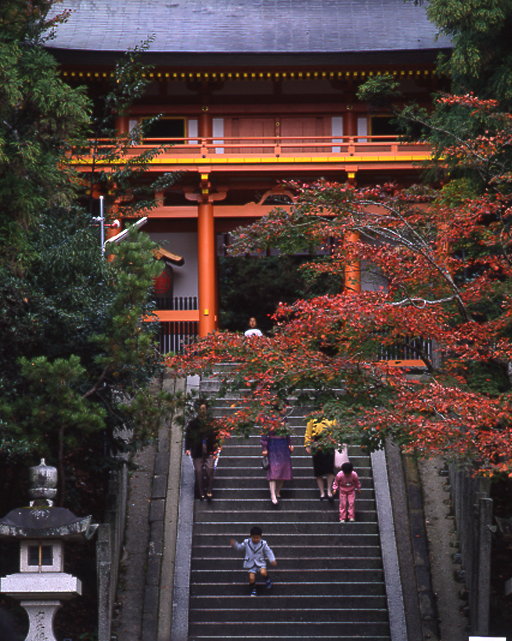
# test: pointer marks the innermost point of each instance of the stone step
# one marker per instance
(294, 637)
(301, 488)
(230, 462)
(302, 485)
(222, 368)
(301, 467)
(297, 574)
(297, 426)
(291, 497)
(253, 451)
(349, 540)
(300, 473)
(298, 498)
(302, 477)
(302, 482)
(288, 614)
(232, 562)
(249, 479)
(271, 629)
(237, 400)
(253, 448)
(282, 515)
(317, 589)
(297, 438)
(280, 600)
(312, 506)
(289, 502)
(342, 533)
(218, 411)
(291, 549)
(253, 479)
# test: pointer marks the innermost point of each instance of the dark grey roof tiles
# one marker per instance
(246, 26)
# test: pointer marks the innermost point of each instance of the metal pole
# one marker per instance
(102, 226)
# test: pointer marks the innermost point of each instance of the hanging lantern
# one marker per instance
(162, 284)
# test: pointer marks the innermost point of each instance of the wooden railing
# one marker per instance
(408, 351)
(276, 147)
(174, 336)
(179, 322)
(181, 303)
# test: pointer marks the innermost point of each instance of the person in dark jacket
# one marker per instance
(203, 445)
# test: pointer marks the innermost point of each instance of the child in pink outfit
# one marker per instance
(348, 483)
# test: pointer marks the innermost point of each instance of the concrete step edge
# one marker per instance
(290, 558)
(293, 583)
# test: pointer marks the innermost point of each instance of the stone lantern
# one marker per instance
(41, 583)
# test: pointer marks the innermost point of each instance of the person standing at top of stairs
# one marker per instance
(253, 329)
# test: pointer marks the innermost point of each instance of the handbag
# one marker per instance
(265, 463)
(340, 456)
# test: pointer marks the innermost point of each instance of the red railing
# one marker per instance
(276, 147)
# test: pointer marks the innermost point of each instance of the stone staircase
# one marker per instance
(329, 581)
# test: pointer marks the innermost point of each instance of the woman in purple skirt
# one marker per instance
(278, 449)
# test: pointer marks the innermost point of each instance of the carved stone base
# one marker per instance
(40, 616)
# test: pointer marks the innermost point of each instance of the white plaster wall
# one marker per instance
(337, 130)
(362, 128)
(184, 244)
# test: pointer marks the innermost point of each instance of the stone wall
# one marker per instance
(109, 546)
(473, 514)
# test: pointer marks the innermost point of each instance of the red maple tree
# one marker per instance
(438, 261)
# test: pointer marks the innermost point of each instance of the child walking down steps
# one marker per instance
(257, 553)
(348, 483)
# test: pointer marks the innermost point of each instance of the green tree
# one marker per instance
(253, 286)
(479, 62)
(481, 58)
(76, 355)
(40, 117)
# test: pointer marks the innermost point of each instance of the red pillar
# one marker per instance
(206, 272)
(353, 266)
(122, 124)
(205, 124)
(350, 122)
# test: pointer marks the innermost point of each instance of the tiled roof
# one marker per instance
(247, 26)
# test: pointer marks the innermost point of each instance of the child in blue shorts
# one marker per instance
(257, 553)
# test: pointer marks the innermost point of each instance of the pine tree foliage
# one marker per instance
(482, 47)
(76, 355)
(40, 116)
